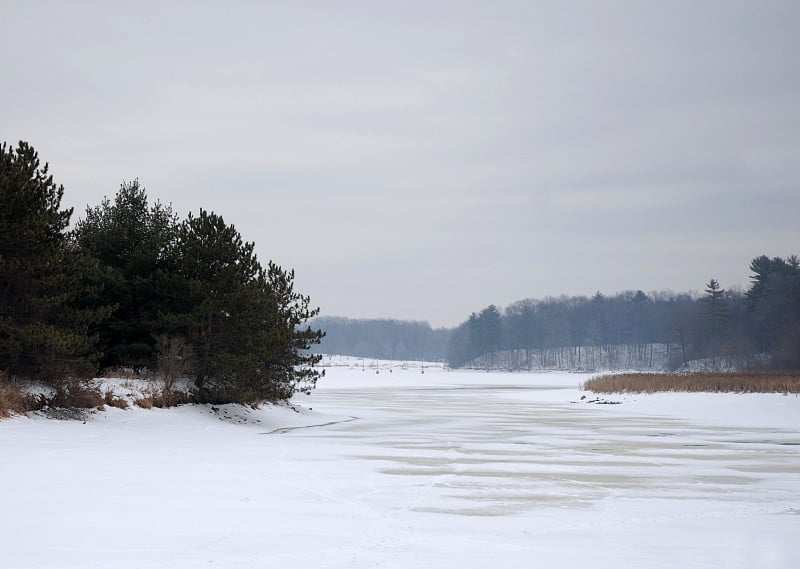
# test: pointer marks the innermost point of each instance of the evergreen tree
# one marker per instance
(716, 307)
(290, 366)
(43, 333)
(717, 311)
(243, 321)
(131, 240)
(773, 302)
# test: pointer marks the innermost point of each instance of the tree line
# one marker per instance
(133, 285)
(758, 327)
(626, 330)
(384, 339)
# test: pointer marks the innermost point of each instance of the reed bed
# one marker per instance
(706, 382)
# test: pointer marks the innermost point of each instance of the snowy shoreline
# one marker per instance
(408, 469)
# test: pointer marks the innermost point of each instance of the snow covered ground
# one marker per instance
(403, 469)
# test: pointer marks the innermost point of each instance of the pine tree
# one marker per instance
(43, 333)
(293, 369)
(131, 240)
(716, 308)
(717, 311)
(773, 302)
(244, 322)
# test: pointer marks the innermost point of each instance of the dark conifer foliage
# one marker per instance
(130, 239)
(244, 321)
(131, 274)
(198, 281)
(773, 302)
(44, 334)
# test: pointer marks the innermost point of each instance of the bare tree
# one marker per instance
(175, 360)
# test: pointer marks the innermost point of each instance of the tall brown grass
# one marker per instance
(113, 400)
(709, 382)
(161, 398)
(15, 397)
(13, 400)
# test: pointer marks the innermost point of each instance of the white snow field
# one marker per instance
(444, 469)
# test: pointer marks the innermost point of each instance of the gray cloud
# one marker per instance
(422, 160)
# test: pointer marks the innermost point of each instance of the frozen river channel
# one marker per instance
(518, 468)
(404, 469)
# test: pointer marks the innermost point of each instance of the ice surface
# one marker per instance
(403, 469)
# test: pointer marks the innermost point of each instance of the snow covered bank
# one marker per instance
(407, 469)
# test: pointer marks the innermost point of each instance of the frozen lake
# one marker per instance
(401, 469)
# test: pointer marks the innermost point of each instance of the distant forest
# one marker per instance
(628, 330)
(382, 339)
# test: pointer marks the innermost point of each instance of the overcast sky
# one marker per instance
(421, 160)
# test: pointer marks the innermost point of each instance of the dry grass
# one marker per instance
(115, 401)
(12, 400)
(77, 394)
(707, 382)
(145, 402)
(15, 398)
(163, 398)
